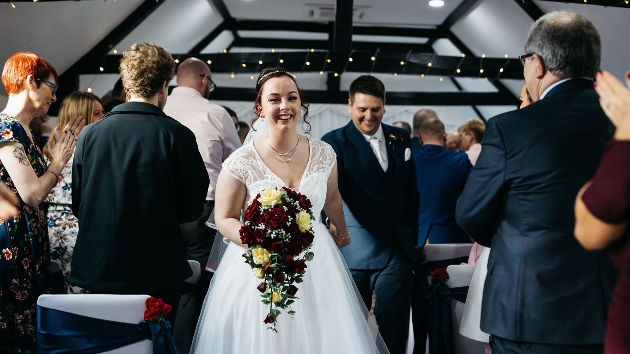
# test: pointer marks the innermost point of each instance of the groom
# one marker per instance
(380, 200)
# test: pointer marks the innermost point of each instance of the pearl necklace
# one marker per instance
(280, 156)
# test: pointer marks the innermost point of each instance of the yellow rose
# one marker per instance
(261, 255)
(258, 272)
(276, 297)
(303, 220)
(270, 197)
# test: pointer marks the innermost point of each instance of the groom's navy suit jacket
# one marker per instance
(381, 208)
(542, 286)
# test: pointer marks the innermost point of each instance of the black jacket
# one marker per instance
(542, 286)
(137, 175)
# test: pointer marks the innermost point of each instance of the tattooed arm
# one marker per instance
(31, 188)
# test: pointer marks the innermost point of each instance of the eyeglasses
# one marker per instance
(52, 85)
(525, 56)
(212, 84)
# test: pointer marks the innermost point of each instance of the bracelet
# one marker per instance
(54, 174)
(347, 237)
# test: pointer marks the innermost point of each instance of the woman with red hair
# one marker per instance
(31, 83)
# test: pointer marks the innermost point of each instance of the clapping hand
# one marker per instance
(341, 242)
(614, 97)
(66, 140)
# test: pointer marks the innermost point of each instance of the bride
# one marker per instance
(329, 315)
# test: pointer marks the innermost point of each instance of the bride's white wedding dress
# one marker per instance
(329, 315)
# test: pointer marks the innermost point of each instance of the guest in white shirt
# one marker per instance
(471, 134)
(216, 139)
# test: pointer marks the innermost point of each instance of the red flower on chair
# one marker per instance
(440, 274)
(156, 310)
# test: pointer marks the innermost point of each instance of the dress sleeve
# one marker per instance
(608, 196)
(323, 157)
(9, 131)
(235, 165)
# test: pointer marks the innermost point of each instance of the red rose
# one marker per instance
(292, 289)
(440, 274)
(277, 246)
(279, 277)
(252, 212)
(259, 235)
(305, 202)
(290, 209)
(155, 308)
(292, 229)
(247, 236)
(275, 218)
(261, 287)
(270, 318)
(268, 269)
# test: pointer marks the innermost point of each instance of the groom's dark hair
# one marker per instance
(367, 85)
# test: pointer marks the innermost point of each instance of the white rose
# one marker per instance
(258, 272)
(276, 297)
(270, 197)
(303, 220)
(261, 256)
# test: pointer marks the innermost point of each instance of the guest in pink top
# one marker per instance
(472, 134)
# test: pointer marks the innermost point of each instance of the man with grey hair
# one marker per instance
(543, 293)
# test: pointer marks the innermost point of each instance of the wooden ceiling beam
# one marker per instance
(393, 97)
(530, 8)
(69, 80)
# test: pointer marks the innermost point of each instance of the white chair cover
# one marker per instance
(460, 275)
(119, 308)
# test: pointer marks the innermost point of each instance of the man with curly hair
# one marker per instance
(137, 175)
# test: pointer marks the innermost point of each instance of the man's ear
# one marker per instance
(349, 106)
(541, 69)
(445, 136)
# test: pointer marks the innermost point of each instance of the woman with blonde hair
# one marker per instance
(63, 226)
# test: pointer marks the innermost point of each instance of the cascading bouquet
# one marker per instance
(279, 235)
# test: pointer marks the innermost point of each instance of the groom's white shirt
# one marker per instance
(381, 143)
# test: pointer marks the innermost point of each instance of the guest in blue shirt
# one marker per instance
(419, 118)
(441, 176)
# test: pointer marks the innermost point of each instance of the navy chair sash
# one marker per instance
(440, 324)
(63, 332)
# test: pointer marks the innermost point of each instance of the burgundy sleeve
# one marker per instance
(608, 197)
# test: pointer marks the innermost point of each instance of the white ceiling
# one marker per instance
(62, 32)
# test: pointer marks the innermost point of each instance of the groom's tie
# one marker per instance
(376, 147)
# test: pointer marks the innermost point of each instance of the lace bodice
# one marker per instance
(246, 165)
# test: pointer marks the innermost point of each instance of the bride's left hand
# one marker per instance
(339, 241)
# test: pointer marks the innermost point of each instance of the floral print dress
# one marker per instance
(63, 226)
(25, 259)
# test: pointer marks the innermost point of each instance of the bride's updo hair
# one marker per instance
(270, 73)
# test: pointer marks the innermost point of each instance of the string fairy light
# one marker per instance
(326, 61)
(481, 64)
(430, 64)
(347, 61)
(507, 60)
(457, 70)
(404, 63)
(373, 58)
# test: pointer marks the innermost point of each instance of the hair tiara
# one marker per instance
(274, 72)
